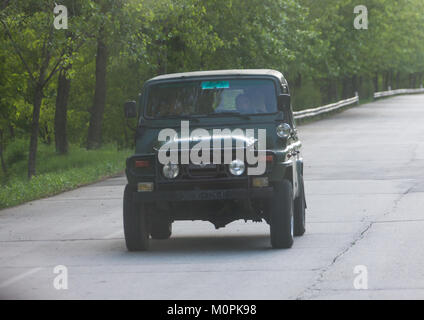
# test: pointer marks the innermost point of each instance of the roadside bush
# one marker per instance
(17, 150)
(58, 173)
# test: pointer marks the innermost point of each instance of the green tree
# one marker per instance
(31, 37)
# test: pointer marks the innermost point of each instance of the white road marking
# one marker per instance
(19, 277)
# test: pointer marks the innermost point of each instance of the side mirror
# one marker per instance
(284, 101)
(130, 109)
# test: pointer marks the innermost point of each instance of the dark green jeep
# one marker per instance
(216, 146)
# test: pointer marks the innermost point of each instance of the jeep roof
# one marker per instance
(233, 72)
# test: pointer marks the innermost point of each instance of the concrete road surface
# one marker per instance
(365, 191)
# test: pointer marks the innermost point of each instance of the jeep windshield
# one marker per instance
(211, 98)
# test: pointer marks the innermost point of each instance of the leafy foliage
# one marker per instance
(56, 173)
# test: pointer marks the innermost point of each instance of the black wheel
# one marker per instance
(299, 210)
(161, 229)
(135, 223)
(281, 216)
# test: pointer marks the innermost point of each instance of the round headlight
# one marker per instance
(236, 167)
(170, 170)
(283, 130)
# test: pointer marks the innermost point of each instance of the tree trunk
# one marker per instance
(94, 138)
(345, 88)
(375, 80)
(354, 87)
(329, 92)
(385, 81)
(323, 88)
(410, 80)
(60, 117)
(38, 98)
(359, 86)
(45, 134)
(298, 81)
(12, 131)
(398, 80)
(334, 90)
(3, 164)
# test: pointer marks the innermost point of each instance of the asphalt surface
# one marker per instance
(364, 179)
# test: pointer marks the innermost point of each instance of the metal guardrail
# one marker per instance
(396, 92)
(309, 113)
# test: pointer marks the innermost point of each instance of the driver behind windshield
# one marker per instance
(243, 104)
(252, 102)
(257, 101)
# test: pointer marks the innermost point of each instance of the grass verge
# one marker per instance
(57, 173)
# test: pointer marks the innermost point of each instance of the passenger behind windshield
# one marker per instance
(243, 103)
(206, 98)
(250, 103)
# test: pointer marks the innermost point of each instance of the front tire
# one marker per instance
(281, 216)
(135, 223)
(299, 211)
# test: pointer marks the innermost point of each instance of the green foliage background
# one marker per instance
(312, 42)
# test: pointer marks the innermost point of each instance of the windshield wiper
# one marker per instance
(229, 113)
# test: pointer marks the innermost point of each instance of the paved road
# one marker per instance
(365, 190)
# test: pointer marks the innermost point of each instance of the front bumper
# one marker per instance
(202, 195)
